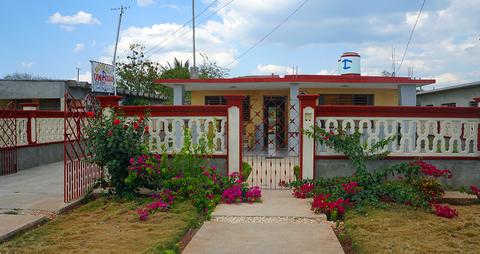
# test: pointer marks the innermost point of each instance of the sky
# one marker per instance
(51, 38)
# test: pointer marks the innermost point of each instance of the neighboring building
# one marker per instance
(49, 94)
(453, 96)
(271, 101)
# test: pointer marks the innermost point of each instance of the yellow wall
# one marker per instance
(382, 97)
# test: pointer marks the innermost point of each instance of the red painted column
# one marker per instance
(31, 122)
(235, 132)
(109, 101)
(308, 104)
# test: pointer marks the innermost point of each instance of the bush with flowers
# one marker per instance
(112, 141)
(415, 183)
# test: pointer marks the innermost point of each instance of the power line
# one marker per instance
(202, 21)
(411, 35)
(268, 34)
(183, 26)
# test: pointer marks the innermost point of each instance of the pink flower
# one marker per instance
(445, 211)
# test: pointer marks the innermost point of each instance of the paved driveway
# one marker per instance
(29, 195)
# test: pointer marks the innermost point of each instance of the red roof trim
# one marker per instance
(303, 79)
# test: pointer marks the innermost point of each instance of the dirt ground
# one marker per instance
(107, 226)
(403, 229)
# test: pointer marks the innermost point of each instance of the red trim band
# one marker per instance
(208, 110)
(304, 79)
(397, 111)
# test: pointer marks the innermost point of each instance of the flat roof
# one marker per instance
(455, 87)
(305, 81)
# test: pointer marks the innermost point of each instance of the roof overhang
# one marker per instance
(304, 81)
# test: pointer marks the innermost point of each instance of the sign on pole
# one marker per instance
(103, 77)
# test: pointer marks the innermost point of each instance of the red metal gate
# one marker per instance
(271, 140)
(79, 174)
(8, 140)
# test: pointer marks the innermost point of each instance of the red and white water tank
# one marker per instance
(349, 64)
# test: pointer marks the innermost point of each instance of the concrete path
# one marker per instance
(280, 224)
(29, 196)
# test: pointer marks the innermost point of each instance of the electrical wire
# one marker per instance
(411, 35)
(202, 21)
(184, 25)
(269, 33)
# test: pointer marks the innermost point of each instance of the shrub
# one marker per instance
(296, 172)
(246, 170)
(253, 194)
(475, 191)
(112, 141)
(333, 209)
(303, 191)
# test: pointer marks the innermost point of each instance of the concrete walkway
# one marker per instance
(280, 224)
(29, 197)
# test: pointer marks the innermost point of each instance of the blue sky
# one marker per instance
(51, 38)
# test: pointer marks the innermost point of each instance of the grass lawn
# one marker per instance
(403, 229)
(107, 226)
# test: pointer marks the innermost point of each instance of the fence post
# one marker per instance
(307, 145)
(31, 122)
(235, 132)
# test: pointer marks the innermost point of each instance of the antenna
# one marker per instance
(78, 74)
(122, 10)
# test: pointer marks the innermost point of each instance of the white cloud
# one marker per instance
(273, 69)
(172, 6)
(81, 18)
(79, 47)
(93, 43)
(27, 65)
(145, 3)
(327, 72)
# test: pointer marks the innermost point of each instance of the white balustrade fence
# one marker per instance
(449, 137)
(168, 132)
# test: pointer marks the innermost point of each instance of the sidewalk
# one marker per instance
(29, 197)
(280, 224)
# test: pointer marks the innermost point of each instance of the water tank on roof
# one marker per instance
(349, 64)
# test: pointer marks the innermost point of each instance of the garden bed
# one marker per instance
(108, 224)
(404, 229)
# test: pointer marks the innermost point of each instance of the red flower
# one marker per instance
(109, 133)
(116, 122)
(146, 129)
(90, 114)
(141, 118)
(135, 125)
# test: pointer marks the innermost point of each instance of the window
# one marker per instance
(346, 99)
(473, 104)
(451, 104)
(49, 104)
(220, 100)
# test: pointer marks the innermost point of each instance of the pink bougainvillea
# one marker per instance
(162, 202)
(232, 194)
(351, 187)
(303, 191)
(253, 194)
(475, 191)
(431, 170)
(322, 205)
(445, 211)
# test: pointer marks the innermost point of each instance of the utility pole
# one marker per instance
(193, 70)
(122, 10)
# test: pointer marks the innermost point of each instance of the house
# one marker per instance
(270, 108)
(49, 94)
(454, 96)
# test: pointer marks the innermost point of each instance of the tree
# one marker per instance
(23, 76)
(138, 73)
(177, 70)
(210, 69)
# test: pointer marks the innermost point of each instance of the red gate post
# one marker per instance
(308, 103)
(235, 132)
